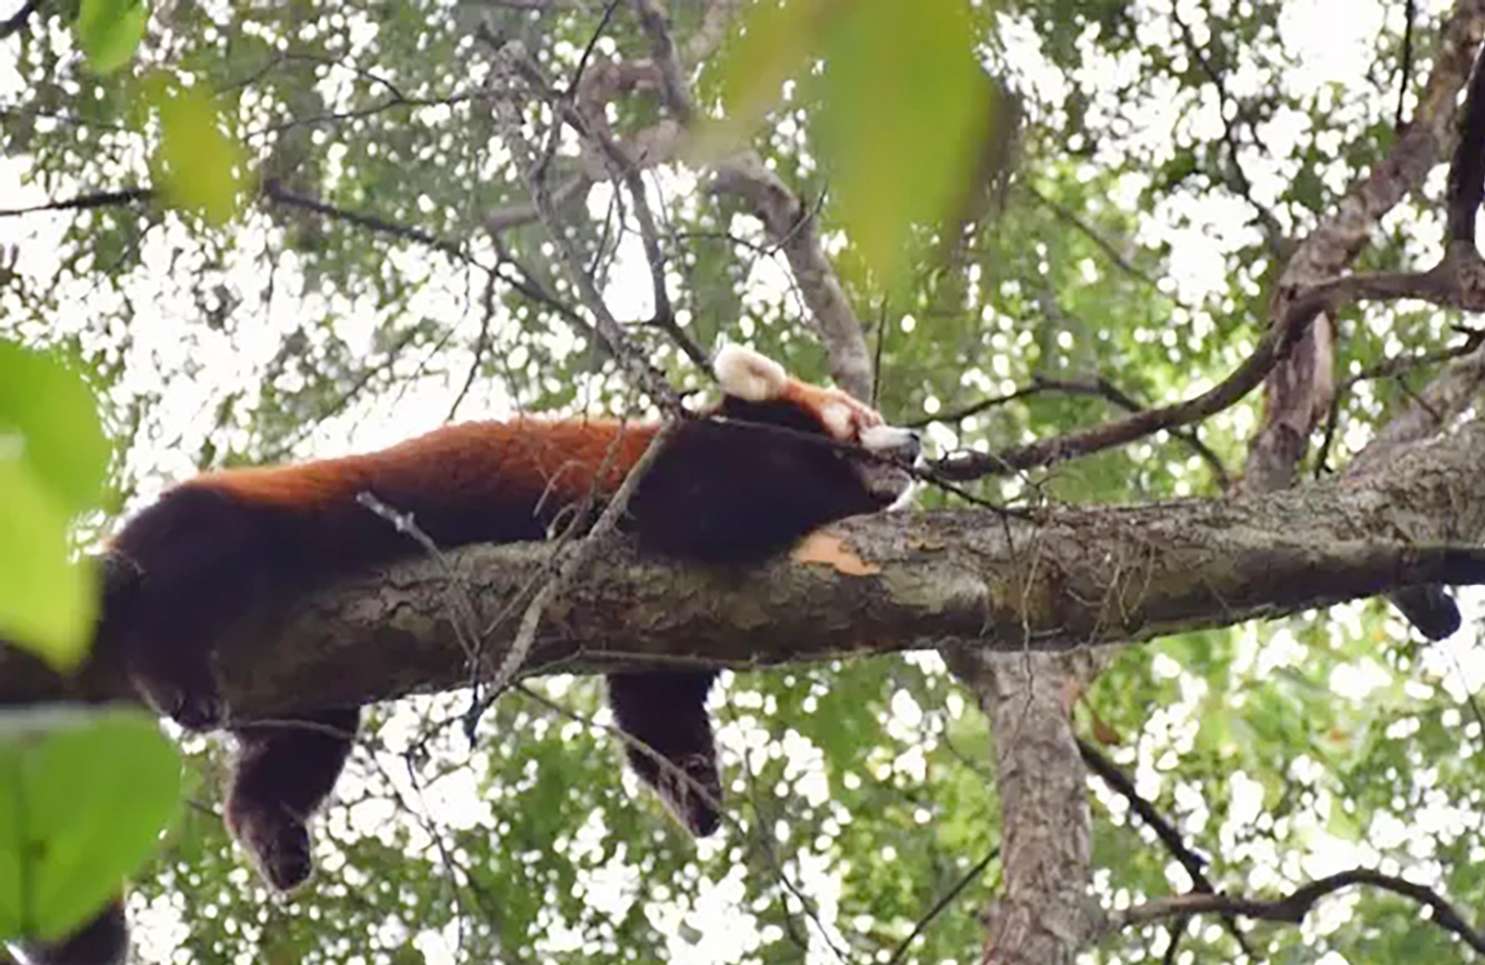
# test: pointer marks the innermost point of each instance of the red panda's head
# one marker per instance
(757, 389)
(755, 474)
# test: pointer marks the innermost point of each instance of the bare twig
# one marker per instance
(585, 552)
(525, 212)
(514, 61)
(695, 787)
(943, 902)
(1100, 387)
(1387, 369)
(1195, 864)
(274, 190)
(84, 202)
(1297, 904)
(18, 20)
(1405, 77)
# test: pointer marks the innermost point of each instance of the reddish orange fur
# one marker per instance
(521, 469)
(218, 548)
(516, 464)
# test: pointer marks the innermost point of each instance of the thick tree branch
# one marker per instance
(1043, 913)
(1429, 609)
(1298, 392)
(1062, 577)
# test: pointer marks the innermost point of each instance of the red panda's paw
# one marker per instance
(278, 843)
(692, 791)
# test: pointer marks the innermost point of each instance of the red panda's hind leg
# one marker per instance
(665, 711)
(102, 941)
(284, 771)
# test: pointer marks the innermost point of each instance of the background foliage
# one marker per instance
(1167, 157)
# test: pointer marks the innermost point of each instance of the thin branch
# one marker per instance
(943, 902)
(1194, 863)
(584, 554)
(1099, 387)
(525, 212)
(513, 60)
(1387, 369)
(18, 20)
(481, 345)
(584, 110)
(84, 202)
(759, 836)
(1297, 904)
(1406, 74)
(1271, 348)
(1236, 176)
(598, 32)
(1457, 281)
(1114, 255)
(274, 190)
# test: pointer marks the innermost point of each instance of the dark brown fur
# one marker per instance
(227, 544)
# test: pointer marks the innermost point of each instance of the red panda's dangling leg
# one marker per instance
(666, 711)
(284, 770)
(102, 941)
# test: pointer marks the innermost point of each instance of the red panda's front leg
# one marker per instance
(284, 771)
(664, 714)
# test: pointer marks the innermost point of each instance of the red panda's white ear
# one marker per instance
(746, 375)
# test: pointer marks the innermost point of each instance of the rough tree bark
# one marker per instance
(1043, 913)
(1298, 391)
(883, 583)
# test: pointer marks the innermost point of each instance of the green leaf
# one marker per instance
(84, 796)
(906, 115)
(109, 30)
(1341, 824)
(53, 457)
(773, 44)
(48, 602)
(907, 111)
(52, 409)
(197, 165)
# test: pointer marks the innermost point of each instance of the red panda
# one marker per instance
(723, 490)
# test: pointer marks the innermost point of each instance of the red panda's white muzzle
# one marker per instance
(887, 479)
